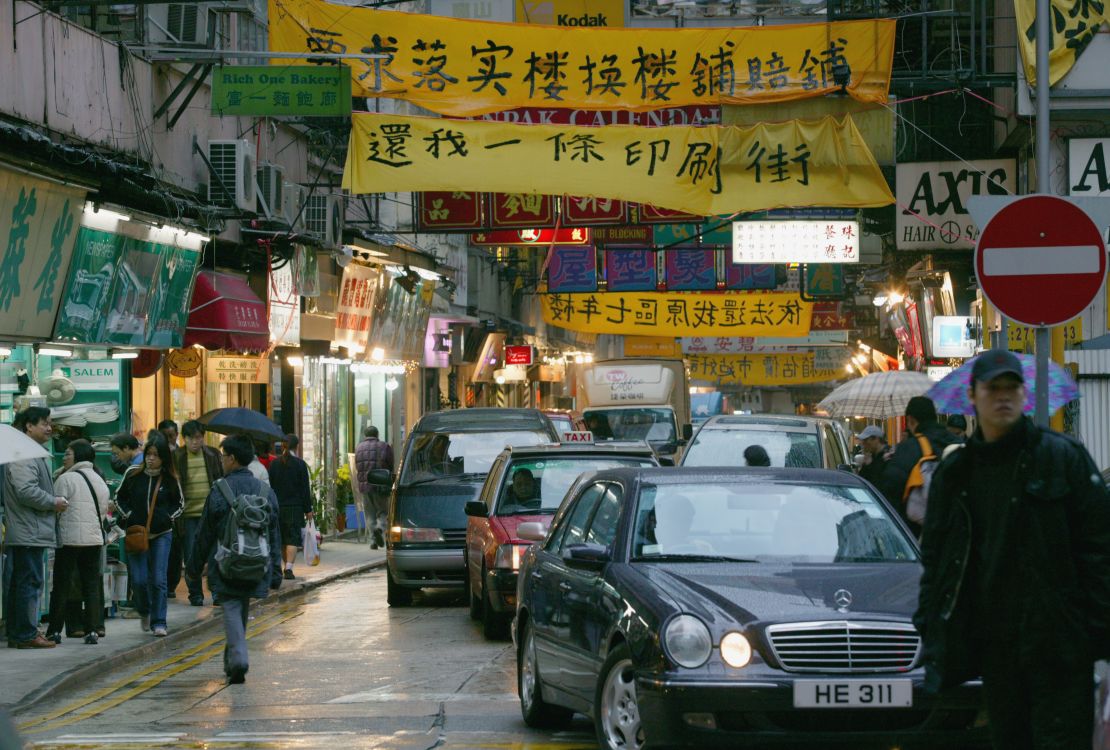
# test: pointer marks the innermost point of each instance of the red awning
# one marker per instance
(226, 314)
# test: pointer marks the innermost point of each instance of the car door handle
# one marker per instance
(564, 586)
(536, 575)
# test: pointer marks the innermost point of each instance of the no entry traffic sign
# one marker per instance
(1040, 260)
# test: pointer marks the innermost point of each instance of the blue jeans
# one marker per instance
(24, 588)
(192, 526)
(148, 579)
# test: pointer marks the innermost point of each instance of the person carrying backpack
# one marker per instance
(240, 540)
(905, 464)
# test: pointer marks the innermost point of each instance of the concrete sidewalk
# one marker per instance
(33, 675)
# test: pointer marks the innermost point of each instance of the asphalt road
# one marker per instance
(335, 669)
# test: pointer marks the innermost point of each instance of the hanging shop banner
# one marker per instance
(680, 314)
(285, 308)
(691, 270)
(795, 242)
(584, 212)
(354, 306)
(522, 210)
(38, 227)
(237, 370)
(1074, 25)
(630, 270)
(569, 236)
(456, 67)
(764, 344)
(933, 199)
(401, 318)
(750, 276)
(281, 90)
(442, 211)
(572, 269)
(129, 301)
(759, 369)
(572, 13)
(307, 275)
(706, 171)
(171, 297)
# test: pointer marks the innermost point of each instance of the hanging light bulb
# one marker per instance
(391, 384)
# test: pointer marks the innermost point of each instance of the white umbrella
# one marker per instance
(881, 395)
(16, 446)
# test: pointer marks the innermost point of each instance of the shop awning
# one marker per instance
(226, 314)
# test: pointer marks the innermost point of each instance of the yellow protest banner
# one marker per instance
(1073, 25)
(680, 313)
(461, 67)
(705, 171)
(759, 369)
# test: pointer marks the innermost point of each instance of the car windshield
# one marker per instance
(767, 522)
(653, 424)
(562, 423)
(537, 485)
(716, 447)
(440, 454)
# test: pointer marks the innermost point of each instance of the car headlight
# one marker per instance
(687, 641)
(509, 556)
(399, 534)
(735, 650)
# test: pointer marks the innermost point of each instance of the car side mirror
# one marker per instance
(846, 467)
(687, 431)
(476, 508)
(665, 460)
(586, 557)
(379, 477)
(531, 531)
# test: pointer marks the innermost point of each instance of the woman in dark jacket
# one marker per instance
(153, 493)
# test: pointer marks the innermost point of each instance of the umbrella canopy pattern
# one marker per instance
(950, 394)
(239, 421)
(16, 446)
(881, 395)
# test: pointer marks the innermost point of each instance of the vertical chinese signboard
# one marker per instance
(354, 306)
(285, 308)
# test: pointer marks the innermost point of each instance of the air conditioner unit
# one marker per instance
(235, 163)
(181, 24)
(325, 214)
(271, 179)
(293, 207)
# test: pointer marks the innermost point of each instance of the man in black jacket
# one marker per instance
(289, 480)
(921, 421)
(1016, 555)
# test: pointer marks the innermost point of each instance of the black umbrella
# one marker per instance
(239, 421)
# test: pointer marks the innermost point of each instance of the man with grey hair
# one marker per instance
(371, 454)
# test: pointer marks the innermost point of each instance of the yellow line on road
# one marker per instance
(48, 722)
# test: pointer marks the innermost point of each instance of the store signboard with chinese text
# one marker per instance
(763, 344)
(584, 212)
(691, 270)
(795, 242)
(563, 236)
(354, 305)
(238, 370)
(441, 211)
(932, 196)
(630, 270)
(281, 90)
(572, 269)
(522, 210)
(762, 370)
(832, 316)
(285, 308)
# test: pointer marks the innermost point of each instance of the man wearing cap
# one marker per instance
(873, 442)
(1016, 557)
(957, 425)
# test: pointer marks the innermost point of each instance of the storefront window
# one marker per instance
(185, 403)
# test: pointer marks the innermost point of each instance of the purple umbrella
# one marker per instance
(950, 394)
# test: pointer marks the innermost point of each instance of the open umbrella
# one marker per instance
(236, 420)
(950, 393)
(16, 446)
(880, 395)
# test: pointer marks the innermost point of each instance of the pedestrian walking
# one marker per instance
(957, 425)
(30, 528)
(371, 454)
(234, 597)
(126, 452)
(289, 480)
(923, 433)
(874, 450)
(198, 467)
(1016, 556)
(81, 530)
(256, 467)
(168, 429)
(151, 498)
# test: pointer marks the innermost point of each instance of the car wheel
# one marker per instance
(537, 713)
(475, 602)
(616, 709)
(396, 595)
(494, 624)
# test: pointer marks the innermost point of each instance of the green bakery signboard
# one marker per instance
(275, 90)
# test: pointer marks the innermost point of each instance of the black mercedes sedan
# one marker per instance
(691, 607)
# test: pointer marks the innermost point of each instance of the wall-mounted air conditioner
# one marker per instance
(325, 217)
(235, 163)
(271, 180)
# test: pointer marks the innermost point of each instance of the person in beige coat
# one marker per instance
(81, 536)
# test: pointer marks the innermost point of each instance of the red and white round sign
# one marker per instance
(1041, 260)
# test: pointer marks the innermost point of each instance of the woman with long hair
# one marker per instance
(81, 534)
(151, 497)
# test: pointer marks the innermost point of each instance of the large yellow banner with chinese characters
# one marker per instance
(462, 67)
(680, 314)
(705, 171)
(1072, 26)
(759, 369)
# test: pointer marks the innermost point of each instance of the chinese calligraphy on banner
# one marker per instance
(1074, 25)
(678, 314)
(460, 67)
(706, 171)
(354, 306)
(572, 269)
(759, 369)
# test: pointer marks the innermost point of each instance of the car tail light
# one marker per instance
(508, 556)
(413, 534)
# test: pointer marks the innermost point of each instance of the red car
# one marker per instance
(566, 420)
(525, 483)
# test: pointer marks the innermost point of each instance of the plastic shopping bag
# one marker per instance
(311, 543)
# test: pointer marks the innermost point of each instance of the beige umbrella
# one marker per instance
(880, 395)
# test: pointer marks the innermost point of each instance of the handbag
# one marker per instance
(105, 525)
(136, 538)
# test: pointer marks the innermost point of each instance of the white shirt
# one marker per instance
(255, 467)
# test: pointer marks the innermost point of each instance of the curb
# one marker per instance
(159, 646)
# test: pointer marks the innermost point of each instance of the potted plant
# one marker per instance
(323, 511)
(344, 495)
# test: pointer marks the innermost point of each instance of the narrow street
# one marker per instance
(335, 668)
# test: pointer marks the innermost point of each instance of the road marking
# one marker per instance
(384, 696)
(1041, 261)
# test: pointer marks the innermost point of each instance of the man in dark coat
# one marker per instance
(921, 421)
(371, 454)
(875, 452)
(289, 480)
(237, 454)
(1016, 555)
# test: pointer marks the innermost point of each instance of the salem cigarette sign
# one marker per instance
(932, 200)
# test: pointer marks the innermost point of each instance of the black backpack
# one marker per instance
(243, 549)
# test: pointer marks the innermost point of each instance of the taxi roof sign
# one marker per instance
(583, 436)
